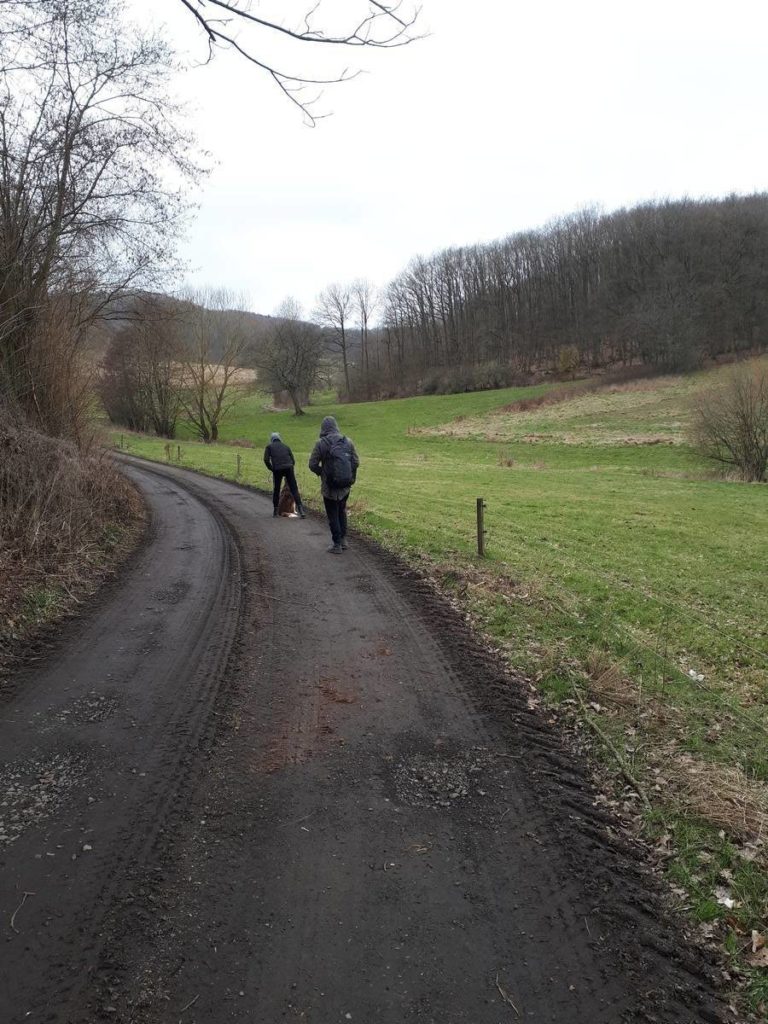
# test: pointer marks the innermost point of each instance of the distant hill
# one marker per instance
(127, 309)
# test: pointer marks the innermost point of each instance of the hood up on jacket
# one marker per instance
(329, 426)
(275, 437)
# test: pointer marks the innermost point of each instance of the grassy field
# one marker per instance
(654, 411)
(621, 575)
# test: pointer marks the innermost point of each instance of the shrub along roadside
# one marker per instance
(67, 518)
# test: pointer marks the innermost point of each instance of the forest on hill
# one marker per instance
(668, 285)
(663, 286)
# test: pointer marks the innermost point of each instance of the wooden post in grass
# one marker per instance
(121, 441)
(481, 527)
(238, 464)
(167, 453)
(178, 453)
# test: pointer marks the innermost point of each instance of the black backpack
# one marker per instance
(339, 470)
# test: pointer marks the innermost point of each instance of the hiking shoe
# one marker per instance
(335, 549)
(302, 513)
(274, 513)
(344, 545)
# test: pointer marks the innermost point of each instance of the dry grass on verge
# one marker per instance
(723, 795)
(64, 517)
(719, 793)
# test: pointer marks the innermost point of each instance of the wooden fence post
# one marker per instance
(481, 527)
(238, 464)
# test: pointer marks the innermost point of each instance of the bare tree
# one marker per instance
(89, 140)
(215, 339)
(366, 300)
(731, 422)
(141, 378)
(257, 35)
(289, 357)
(335, 306)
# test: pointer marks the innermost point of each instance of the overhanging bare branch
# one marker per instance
(379, 26)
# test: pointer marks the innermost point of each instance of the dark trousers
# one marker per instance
(290, 478)
(337, 518)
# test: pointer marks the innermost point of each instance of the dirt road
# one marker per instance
(261, 783)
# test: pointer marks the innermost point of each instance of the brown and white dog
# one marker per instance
(286, 505)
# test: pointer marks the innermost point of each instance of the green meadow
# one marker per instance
(621, 575)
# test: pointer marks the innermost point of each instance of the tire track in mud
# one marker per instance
(208, 665)
(586, 845)
(556, 799)
(172, 724)
(366, 819)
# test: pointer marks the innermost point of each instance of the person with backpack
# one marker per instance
(279, 460)
(335, 461)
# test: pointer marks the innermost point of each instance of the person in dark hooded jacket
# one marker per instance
(279, 460)
(330, 445)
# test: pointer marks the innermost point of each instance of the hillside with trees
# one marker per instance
(667, 285)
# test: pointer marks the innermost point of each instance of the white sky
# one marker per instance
(510, 113)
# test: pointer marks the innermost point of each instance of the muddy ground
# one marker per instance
(261, 783)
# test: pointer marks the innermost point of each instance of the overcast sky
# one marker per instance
(507, 115)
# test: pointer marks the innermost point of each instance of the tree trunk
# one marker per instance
(344, 357)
